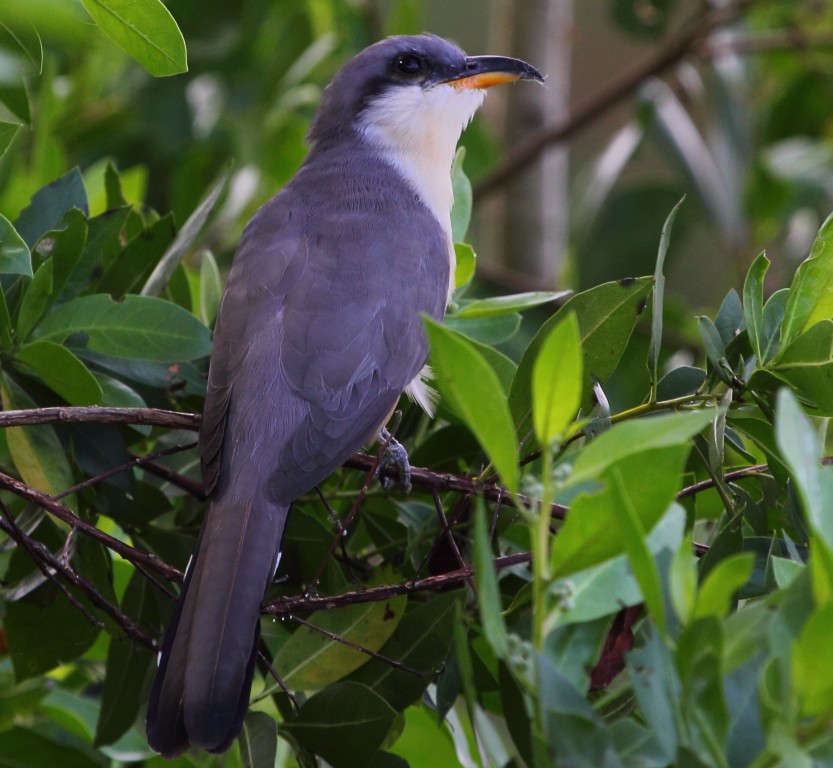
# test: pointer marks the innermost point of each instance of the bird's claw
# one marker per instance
(393, 455)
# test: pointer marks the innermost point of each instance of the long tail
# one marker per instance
(201, 691)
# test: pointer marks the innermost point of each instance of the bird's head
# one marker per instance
(411, 92)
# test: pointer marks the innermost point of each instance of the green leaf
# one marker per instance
(309, 660)
(800, 447)
(7, 133)
(126, 273)
(487, 330)
(606, 317)
(461, 210)
(810, 656)
(681, 381)
(65, 247)
(35, 300)
(15, 258)
(807, 366)
(636, 436)
(421, 641)
(659, 295)
(137, 328)
(61, 371)
(345, 724)
(258, 741)
(811, 292)
(473, 391)
(466, 263)
(501, 305)
(753, 306)
(713, 344)
(633, 534)
(37, 453)
(488, 593)
(773, 318)
(557, 380)
(682, 580)
(49, 205)
(658, 692)
(722, 582)
(145, 30)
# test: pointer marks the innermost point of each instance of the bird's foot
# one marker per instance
(393, 455)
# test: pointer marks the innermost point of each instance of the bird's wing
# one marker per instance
(318, 334)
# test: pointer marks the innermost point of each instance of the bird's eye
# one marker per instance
(409, 64)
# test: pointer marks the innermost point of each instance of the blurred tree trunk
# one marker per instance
(535, 205)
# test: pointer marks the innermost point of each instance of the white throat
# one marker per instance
(417, 130)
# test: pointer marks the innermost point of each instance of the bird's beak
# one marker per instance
(486, 71)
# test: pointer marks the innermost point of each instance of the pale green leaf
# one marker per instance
(557, 380)
(145, 30)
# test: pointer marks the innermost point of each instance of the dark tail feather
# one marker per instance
(201, 691)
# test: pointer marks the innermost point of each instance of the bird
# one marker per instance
(319, 332)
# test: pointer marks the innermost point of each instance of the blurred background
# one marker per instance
(726, 102)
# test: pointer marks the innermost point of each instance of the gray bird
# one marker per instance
(318, 334)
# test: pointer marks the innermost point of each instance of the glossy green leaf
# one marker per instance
(137, 328)
(557, 380)
(753, 306)
(606, 317)
(49, 205)
(659, 294)
(685, 380)
(682, 580)
(425, 740)
(35, 300)
(807, 366)
(344, 714)
(145, 30)
(811, 292)
(591, 533)
(309, 660)
(722, 582)
(61, 371)
(488, 594)
(7, 133)
(636, 436)
(501, 305)
(461, 210)
(472, 389)
(15, 258)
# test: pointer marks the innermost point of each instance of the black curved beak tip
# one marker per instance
(486, 71)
